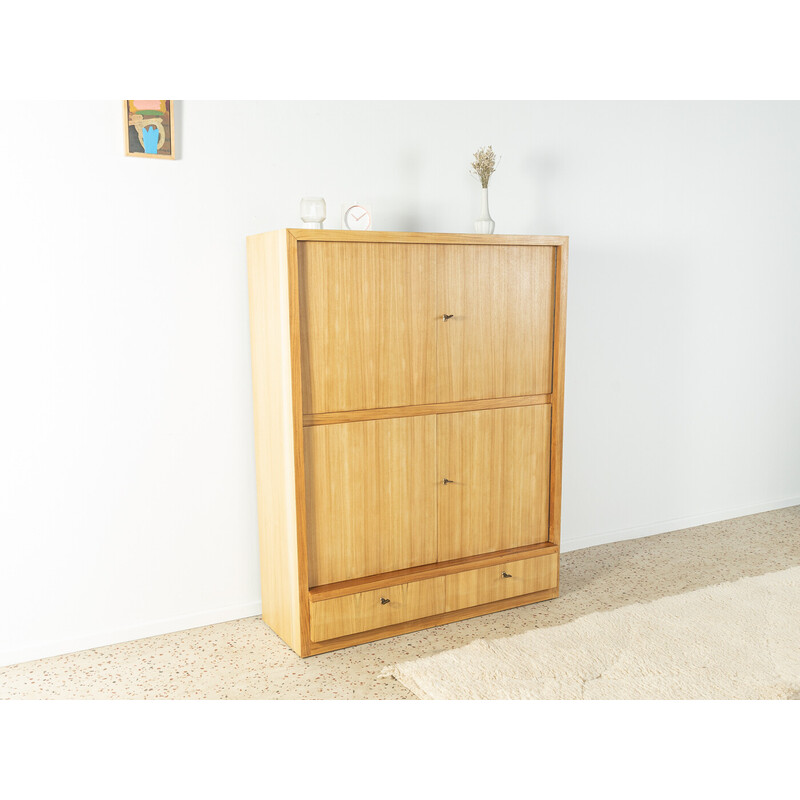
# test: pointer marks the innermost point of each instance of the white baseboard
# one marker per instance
(103, 638)
(182, 623)
(677, 524)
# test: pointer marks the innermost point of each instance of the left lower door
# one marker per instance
(370, 497)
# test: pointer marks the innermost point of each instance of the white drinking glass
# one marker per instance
(312, 212)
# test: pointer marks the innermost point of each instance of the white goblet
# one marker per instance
(312, 212)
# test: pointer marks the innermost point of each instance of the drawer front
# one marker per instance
(365, 611)
(478, 586)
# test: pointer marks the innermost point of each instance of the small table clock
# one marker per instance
(356, 217)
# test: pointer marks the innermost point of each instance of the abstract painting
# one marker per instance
(149, 128)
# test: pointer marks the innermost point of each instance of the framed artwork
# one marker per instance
(149, 128)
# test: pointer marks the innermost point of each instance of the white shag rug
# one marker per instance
(734, 641)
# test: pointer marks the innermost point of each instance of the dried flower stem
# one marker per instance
(484, 165)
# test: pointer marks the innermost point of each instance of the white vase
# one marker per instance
(484, 223)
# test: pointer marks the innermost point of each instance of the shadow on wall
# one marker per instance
(542, 170)
(409, 172)
(645, 325)
(177, 113)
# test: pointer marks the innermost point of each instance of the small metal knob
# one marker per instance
(506, 575)
(446, 481)
(446, 317)
(385, 600)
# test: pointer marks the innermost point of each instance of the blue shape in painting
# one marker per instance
(150, 139)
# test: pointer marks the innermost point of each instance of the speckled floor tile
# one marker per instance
(244, 659)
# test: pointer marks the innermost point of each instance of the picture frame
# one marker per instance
(149, 128)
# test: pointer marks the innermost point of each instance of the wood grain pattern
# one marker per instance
(370, 497)
(315, 648)
(499, 464)
(499, 342)
(295, 363)
(475, 587)
(368, 325)
(409, 237)
(429, 571)
(274, 435)
(428, 408)
(364, 611)
(559, 355)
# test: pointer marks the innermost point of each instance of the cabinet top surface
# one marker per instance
(309, 235)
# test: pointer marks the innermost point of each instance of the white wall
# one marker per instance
(128, 496)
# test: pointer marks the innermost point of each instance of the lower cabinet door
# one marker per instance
(478, 586)
(497, 467)
(370, 497)
(364, 611)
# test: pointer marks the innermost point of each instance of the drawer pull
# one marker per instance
(506, 575)
(385, 600)
(446, 481)
(446, 317)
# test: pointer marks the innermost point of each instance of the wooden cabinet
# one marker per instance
(408, 396)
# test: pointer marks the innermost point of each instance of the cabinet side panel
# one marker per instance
(559, 352)
(274, 438)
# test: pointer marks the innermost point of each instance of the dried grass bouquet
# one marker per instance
(484, 165)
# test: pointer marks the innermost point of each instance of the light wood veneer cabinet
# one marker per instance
(408, 392)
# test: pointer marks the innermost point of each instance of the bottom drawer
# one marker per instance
(364, 611)
(478, 586)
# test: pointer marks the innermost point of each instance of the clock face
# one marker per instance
(357, 218)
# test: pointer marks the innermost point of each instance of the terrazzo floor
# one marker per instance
(243, 659)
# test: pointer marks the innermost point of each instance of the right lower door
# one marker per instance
(496, 464)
